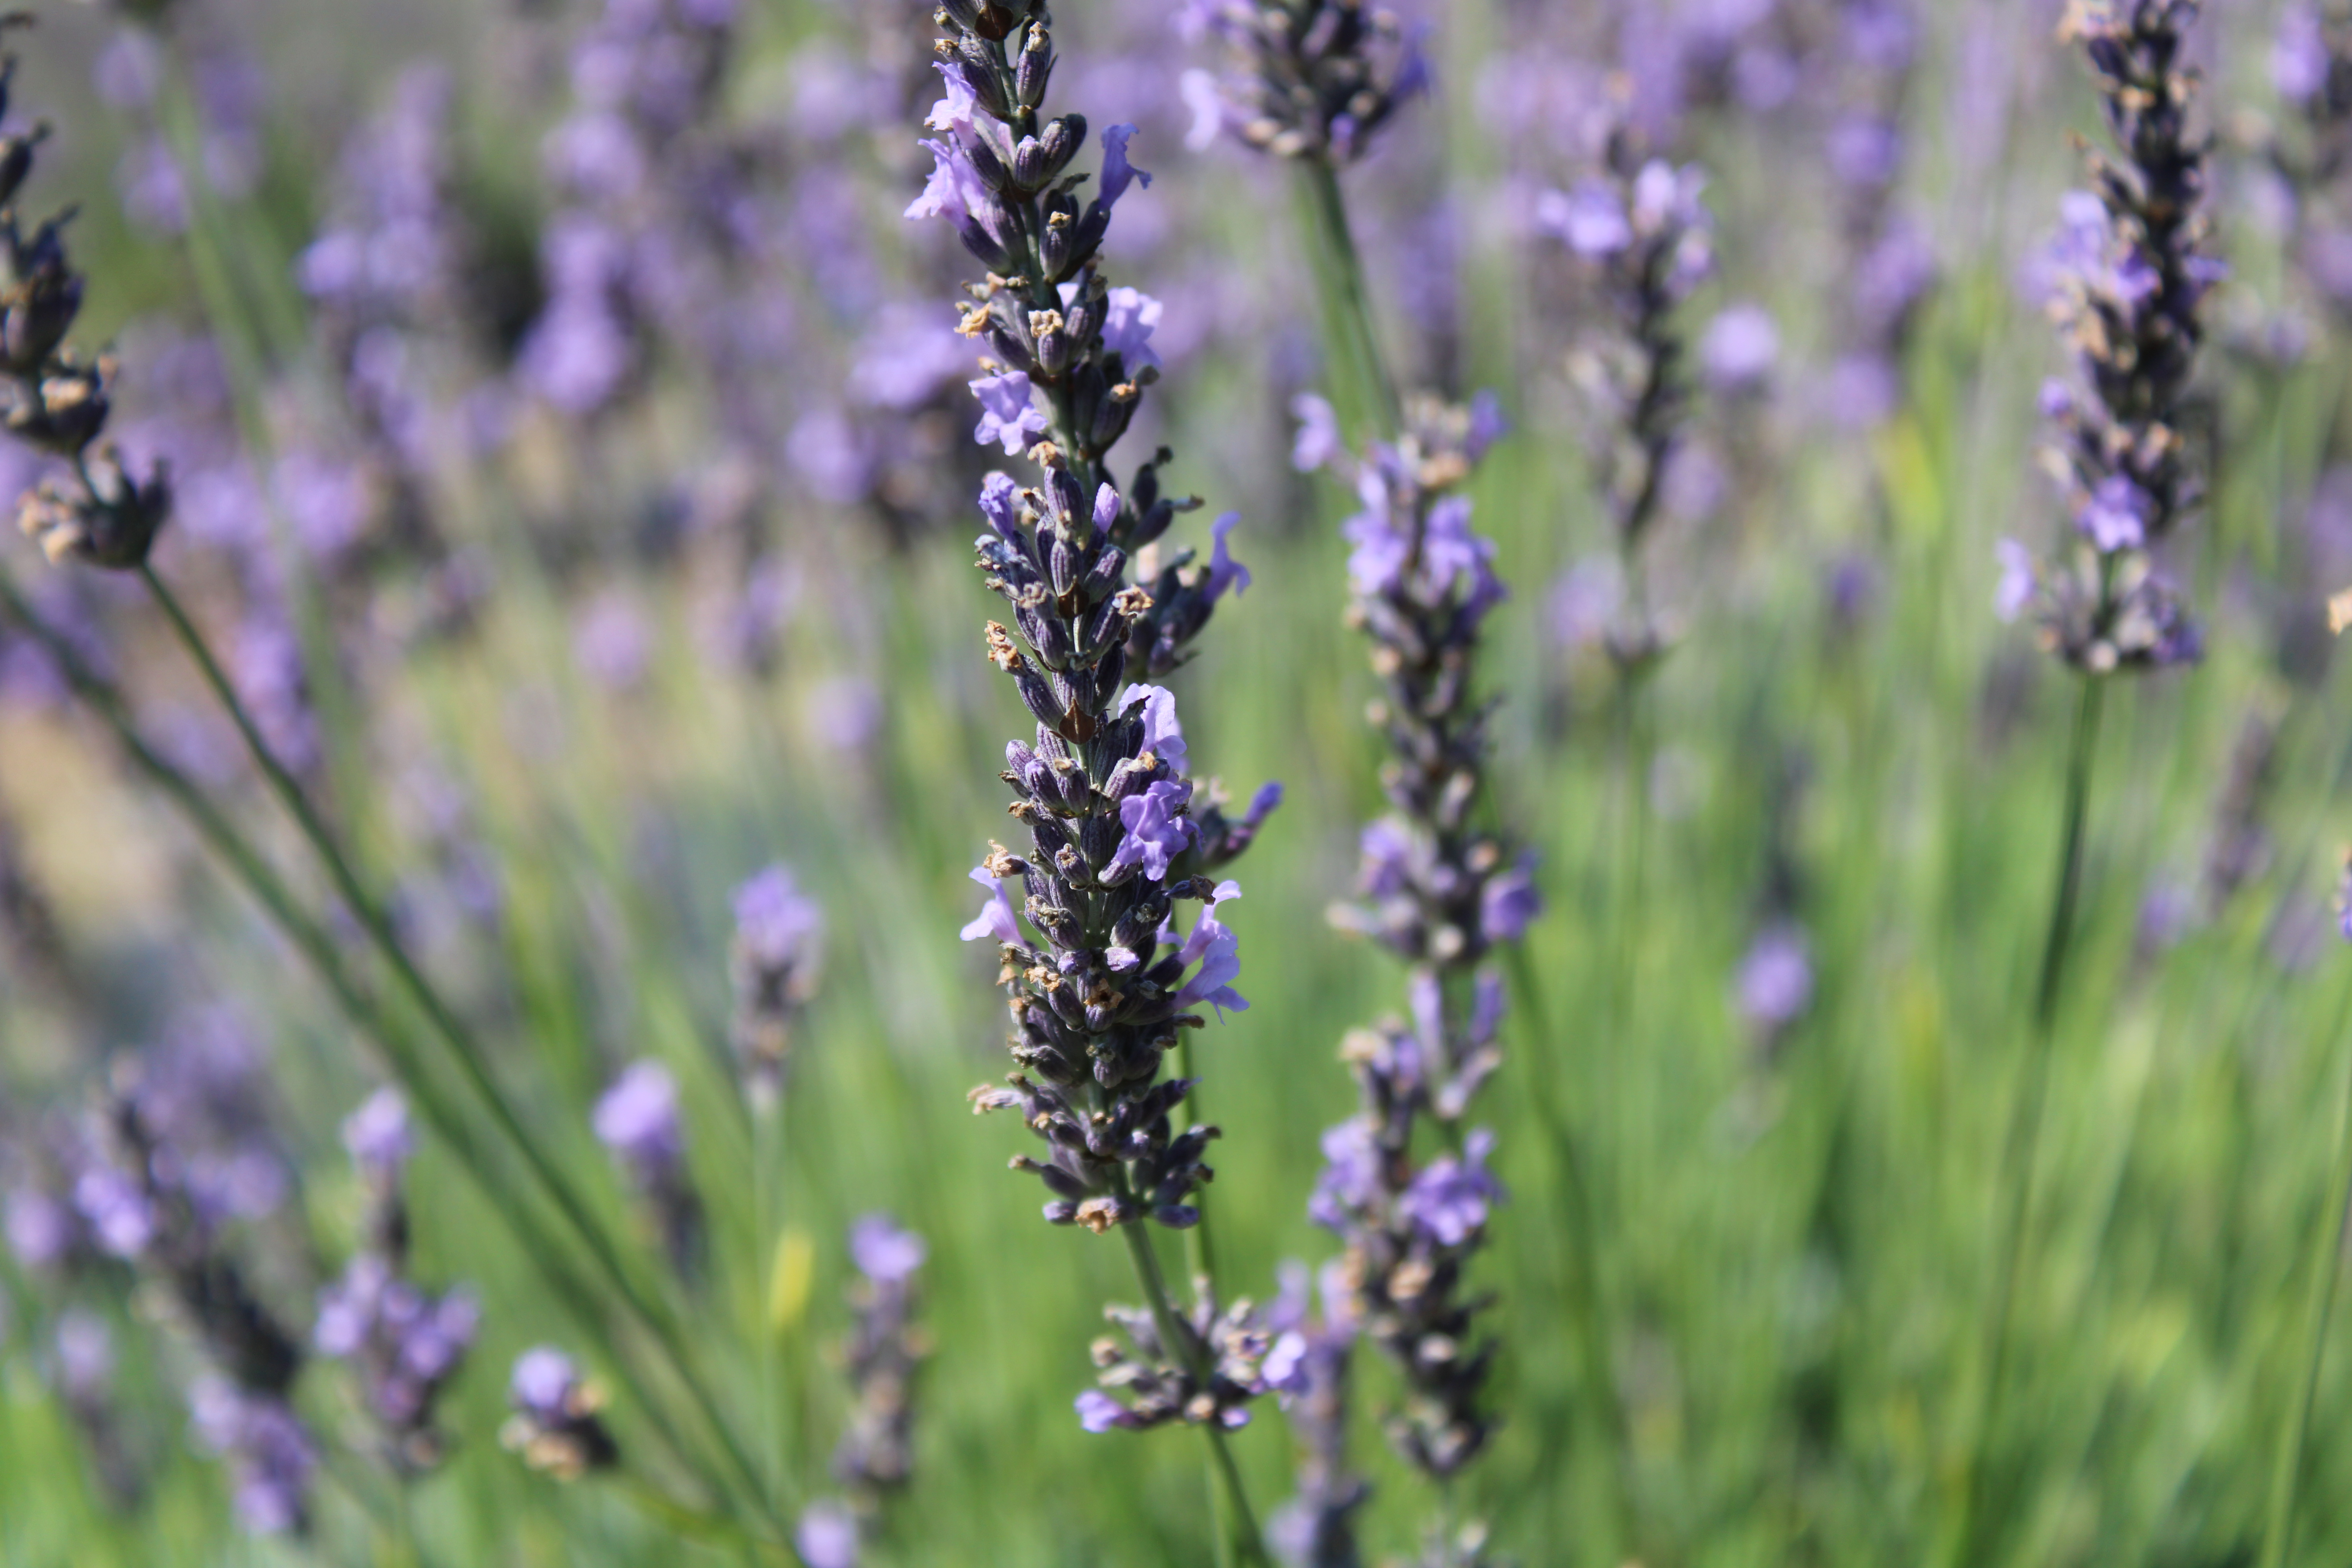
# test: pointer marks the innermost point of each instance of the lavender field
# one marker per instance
(1602, 735)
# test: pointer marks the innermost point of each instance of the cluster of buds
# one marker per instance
(54, 401)
(1305, 79)
(637, 1119)
(876, 1456)
(2132, 272)
(405, 1342)
(1152, 1384)
(772, 963)
(1442, 891)
(1637, 224)
(555, 1427)
(138, 1205)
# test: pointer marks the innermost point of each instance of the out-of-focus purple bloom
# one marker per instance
(1318, 434)
(1127, 328)
(1450, 1199)
(1865, 151)
(555, 1428)
(611, 642)
(1511, 903)
(1008, 413)
(637, 1118)
(2300, 61)
(1590, 220)
(1215, 948)
(269, 1452)
(119, 1216)
(1098, 1411)
(42, 1232)
(882, 1252)
(826, 1536)
(1739, 349)
(2020, 579)
(378, 1137)
(2114, 515)
(1775, 984)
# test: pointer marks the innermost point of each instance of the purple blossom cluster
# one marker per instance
(874, 1459)
(1637, 226)
(270, 1453)
(405, 1344)
(1147, 1383)
(637, 1119)
(2131, 270)
(1889, 266)
(555, 1427)
(1314, 80)
(774, 960)
(1443, 892)
(1119, 833)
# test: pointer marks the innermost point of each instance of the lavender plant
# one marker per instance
(406, 1343)
(874, 1460)
(1638, 224)
(1117, 839)
(2135, 271)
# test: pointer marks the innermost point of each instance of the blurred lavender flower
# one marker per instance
(269, 1451)
(827, 1536)
(406, 1344)
(53, 401)
(554, 1426)
(874, 1459)
(637, 1118)
(1307, 1367)
(1441, 892)
(774, 960)
(1739, 350)
(2132, 273)
(1774, 985)
(1638, 227)
(1311, 80)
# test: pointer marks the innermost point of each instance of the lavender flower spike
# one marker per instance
(1303, 80)
(554, 1426)
(53, 401)
(2133, 270)
(406, 1343)
(637, 1118)
(1443, 893)
(1085, 917)
(779, 944)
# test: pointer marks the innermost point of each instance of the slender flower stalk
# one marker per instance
(1444, 893)
(2319, 1304)
(874, 1460)
(1100, 976)
(2133, 273)
(1313, 82)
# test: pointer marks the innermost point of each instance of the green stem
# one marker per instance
(1347, 301)
(1200, 1252)
(1587, 1296)
(2327, 1247)
(2025, 1124)
(460, 1041)
(1240, 1537)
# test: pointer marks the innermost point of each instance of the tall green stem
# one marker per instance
(1239, 1542)
(2326, 1244)
(2019, 1153)
(460, 1042)
(1354, 337)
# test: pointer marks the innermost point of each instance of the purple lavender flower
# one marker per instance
(1008, 414)
(378, 1138)
(826, 1536)
(1739, 349)
(554, 1426)
(778, 946)
(1775, 983)
(270, 1454)
(884, 1351)
(2130, 274)
(637, 1118)
(1317, 79)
